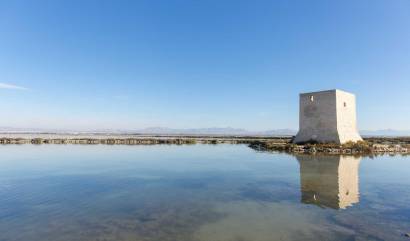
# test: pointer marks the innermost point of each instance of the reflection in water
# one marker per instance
(197, 193)
(329, 181)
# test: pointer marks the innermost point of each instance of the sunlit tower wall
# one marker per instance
(327, 117)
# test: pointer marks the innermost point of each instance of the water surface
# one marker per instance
(198, 193)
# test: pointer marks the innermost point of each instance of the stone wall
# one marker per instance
(327, 117)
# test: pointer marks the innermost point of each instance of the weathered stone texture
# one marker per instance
(327, 116)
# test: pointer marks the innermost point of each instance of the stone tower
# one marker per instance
(327, 117)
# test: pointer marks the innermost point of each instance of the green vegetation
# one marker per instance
(360, 147)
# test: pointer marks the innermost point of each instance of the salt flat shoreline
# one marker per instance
(370, 145)
(129, 139)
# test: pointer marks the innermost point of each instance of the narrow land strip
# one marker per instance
(370, 145)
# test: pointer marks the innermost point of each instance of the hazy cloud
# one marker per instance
(11, 87)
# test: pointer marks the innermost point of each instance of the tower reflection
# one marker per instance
(329, 181)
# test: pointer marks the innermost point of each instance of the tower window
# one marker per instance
(344, 104)
(311, 98)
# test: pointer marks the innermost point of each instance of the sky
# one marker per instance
(81, 64)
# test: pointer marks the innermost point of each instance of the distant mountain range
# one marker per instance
(158, 131)
(386, 132)
(196, 131)
(215, 131)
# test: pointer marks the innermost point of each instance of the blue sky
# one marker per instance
(187, 64)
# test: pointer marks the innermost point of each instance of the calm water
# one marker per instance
(198, 193)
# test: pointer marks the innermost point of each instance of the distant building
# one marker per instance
(327, 116)
(329, 181)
